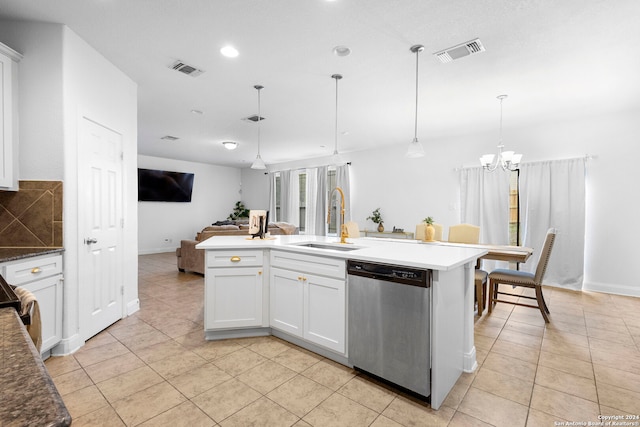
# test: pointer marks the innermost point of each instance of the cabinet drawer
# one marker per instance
(32, 269)
(324, 266)
(234, 258)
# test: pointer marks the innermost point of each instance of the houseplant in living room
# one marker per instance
(376, 217)
(429, 230)
(239, 211)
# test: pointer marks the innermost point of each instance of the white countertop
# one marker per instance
(410, 253)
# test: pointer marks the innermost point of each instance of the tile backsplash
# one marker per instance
(32, 216)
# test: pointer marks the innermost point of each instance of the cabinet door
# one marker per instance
(285, 291)
(48, 292)
(325, 312)
(233, 297)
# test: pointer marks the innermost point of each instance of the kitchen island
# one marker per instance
(294, 287)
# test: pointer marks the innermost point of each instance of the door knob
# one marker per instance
(90, 241)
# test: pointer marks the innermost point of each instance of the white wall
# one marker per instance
(407, 190)
(216, 189)
(61, 77)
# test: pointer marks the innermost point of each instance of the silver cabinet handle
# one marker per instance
(90, 241)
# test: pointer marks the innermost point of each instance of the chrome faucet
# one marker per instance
(343, 227)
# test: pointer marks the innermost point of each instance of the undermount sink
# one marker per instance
(334, 247)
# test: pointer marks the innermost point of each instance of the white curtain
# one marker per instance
(290, 197)
(342, 181)
(552, 194)
(321, 202)
(312, 197)
(272, 198)
(484, 201)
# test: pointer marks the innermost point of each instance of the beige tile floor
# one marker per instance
(154, 369)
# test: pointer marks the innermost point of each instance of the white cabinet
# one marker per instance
(286, 293)
(234, 291)
(42, 276)
(308, 298)
(8, 118)
(325, 312)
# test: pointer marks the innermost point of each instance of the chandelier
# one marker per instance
(507, 160)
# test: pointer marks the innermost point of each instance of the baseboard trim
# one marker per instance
(67, 346)
(608, 288)
(156, 251)
(470, 362)
(133, 306)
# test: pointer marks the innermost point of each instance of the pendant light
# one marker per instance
(415, 148)
(336, 158)
(258, 163)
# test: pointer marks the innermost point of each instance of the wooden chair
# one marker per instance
(523, 278)
(467, 233)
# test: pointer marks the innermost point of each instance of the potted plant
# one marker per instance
(377, 218)
(239, 211)
(429, 230)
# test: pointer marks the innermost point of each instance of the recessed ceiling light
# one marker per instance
(341, 51)
(230, 145)
(198, 112)
(229, 51)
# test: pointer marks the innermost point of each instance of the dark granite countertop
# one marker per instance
(27, 392)
(12, 254)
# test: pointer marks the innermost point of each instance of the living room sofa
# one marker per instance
(191, 259)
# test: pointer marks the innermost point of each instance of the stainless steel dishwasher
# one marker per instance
(389, 323)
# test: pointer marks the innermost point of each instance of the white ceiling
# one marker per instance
(553, 58)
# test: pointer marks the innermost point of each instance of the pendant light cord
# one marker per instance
(335, 148)
(259, 117)
(415, 130)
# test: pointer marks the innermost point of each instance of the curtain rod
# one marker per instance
(302, 168)
(586, 157)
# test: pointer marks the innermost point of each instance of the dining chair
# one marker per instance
(525, 279)
(352, 229)
(468, 233)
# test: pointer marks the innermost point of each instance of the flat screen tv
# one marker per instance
(164, 186)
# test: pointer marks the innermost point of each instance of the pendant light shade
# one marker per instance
(336, 158)
(415, 147)
(258, 163)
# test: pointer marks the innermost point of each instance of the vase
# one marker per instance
(380, 228)
(429, 232)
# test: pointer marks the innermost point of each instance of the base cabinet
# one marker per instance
(234, 290)
(325, 312)
(306, 304)
(43, 277)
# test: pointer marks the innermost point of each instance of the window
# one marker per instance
(303, 202)
(514, 208)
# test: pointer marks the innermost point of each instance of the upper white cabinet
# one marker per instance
(9, 59)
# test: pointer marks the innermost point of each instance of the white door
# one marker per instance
(100, 227)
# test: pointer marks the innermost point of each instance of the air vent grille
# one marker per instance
(460, 51)
(170, 138)
(254, 118)
(187, 69)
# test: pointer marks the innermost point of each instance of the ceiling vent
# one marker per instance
(170, 138)
(460, 51)
(187, 69)
(255, 118)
